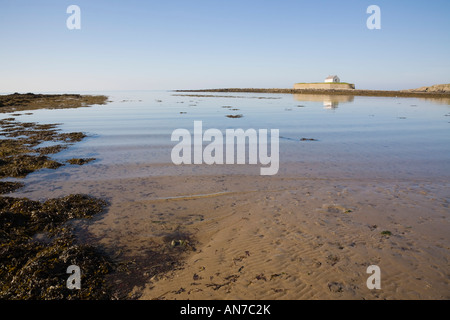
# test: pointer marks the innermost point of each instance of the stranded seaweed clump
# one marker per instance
(80, 161)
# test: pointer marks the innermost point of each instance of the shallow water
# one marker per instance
(356, 136)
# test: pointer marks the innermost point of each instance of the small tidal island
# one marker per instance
(333, 86)
(330, 83)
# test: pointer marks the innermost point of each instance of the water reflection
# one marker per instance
(329, 101)
(445, 101)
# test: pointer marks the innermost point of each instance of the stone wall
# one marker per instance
(327, 86)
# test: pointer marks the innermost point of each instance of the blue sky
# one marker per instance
(151, 45)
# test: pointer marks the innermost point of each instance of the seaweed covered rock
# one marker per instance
(80, 161)
(7, 186)
(36, 244)
(20, 166)
(38, 271)
(32, 101)
(36, 247)
(71, 207)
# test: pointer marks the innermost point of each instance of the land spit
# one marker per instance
(356, 92)
(31, 101)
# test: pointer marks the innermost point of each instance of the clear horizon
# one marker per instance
(204, 44)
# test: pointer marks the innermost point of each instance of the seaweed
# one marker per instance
(18, 153)
(36, 245)
(50, 149)
(20, 166)
(30, 101)
(80, 161)
(36, 269)
(386, 233)
(7, 187)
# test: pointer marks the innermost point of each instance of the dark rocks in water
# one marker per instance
(17, 156)
(20, 166)
(80, 161)
(50, 149)
(234, 116)
(71, 136)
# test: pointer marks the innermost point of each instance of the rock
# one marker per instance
(179, 243)
(439, 88)
(335, 287)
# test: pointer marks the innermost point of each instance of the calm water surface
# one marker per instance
(378, 136)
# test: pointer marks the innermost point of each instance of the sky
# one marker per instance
(171, 44)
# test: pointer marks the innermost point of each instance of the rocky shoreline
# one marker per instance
(31, 101)
(36, 244)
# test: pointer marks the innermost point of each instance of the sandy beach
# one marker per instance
(289, 237)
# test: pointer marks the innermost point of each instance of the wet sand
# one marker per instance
(293, 236)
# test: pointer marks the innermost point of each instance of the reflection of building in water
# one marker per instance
(329, 104)
(329, 101)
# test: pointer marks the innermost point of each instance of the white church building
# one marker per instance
(334, 79)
